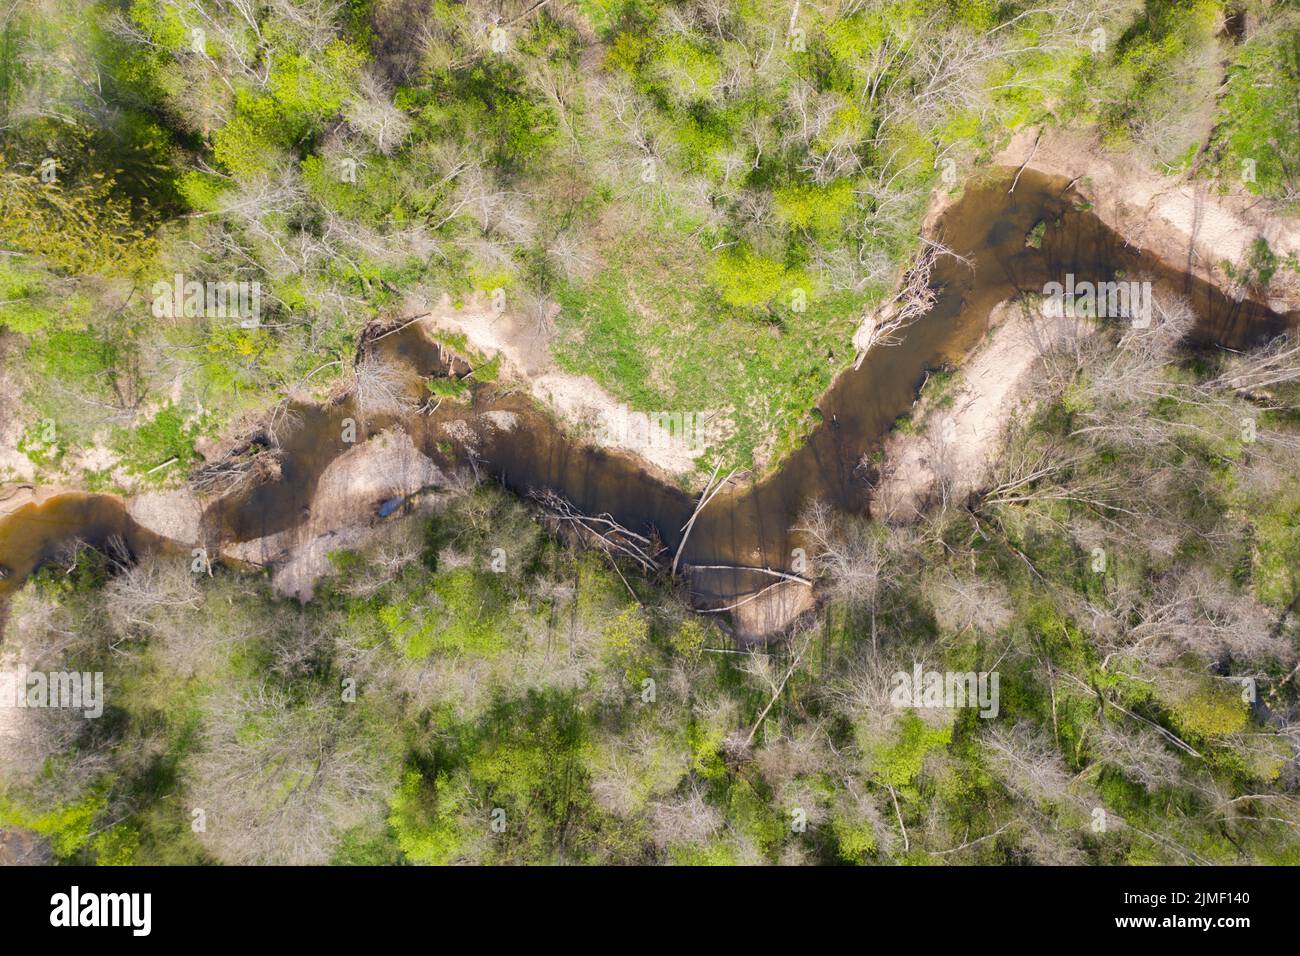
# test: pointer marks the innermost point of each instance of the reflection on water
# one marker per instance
(750, 523)
(35, 533)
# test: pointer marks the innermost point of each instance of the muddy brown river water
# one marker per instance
(748, 524)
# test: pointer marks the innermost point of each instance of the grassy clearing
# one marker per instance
(648, 330)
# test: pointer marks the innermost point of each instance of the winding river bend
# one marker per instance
(749, 523)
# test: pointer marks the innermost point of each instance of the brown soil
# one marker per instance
(345, 504)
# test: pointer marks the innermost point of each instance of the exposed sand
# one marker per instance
(176, 515)
(772, 613)
(959, 440)
(1183, 222)
(13, 463)
(15, 496)
(579, 401)
(346, 503)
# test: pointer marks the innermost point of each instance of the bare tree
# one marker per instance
(857, 561)
(1256, 372)
(1193, 611)
(1028, 763)
(149, 598)
(372, 113)
(1140, 755)
(688, 820)
(287, 792)
(379, 388)
(914, 299)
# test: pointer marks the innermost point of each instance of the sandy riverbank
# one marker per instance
(949, 447)
(588, 411)
(346, 502)
(1189, 224)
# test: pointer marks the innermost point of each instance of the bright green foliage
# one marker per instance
(76, 228)
(1211, 710)
(690, 639)
(706, 750)
(164, 442)
(465, 617)
(249, 142)
(68, 828)
(856, 841)
(27, 307)
(1259, 132)
(820, 209)
(310, 89)
(753, 816)
(117, 846)
(627, 637)
(749, 280)
(201, 190)
(686, 73)
(898, 762)
(714, 853)
(453, 389)
(426, 819)
(162, 22)
(530, 763)
(1276, 556)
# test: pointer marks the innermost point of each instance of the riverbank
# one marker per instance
(585, 408)
(945, 450)
(327, 477)
(1186, 223)
(353, 491)
(950, 440)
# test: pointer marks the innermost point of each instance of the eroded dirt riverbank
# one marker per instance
(317, 502)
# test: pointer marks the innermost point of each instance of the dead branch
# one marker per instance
(602, 531)
(705, 498)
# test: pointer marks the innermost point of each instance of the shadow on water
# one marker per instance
(750, 523)
(35, 533)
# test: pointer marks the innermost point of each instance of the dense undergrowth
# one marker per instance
(695, 203)
(469, 687)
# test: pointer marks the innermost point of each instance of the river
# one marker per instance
(749, 523)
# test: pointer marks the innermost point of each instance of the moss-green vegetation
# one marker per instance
(712, 202)
(694, 205)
